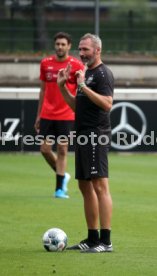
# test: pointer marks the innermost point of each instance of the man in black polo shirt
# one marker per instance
(92, 111)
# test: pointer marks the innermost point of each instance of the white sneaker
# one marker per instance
(65, 182)
(60, 194)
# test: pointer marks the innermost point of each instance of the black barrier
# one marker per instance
(133, 126)
(17, 119)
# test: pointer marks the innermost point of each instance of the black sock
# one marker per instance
(59, 181)
(93, 235)
(105, 236)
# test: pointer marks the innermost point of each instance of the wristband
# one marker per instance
(81, 85)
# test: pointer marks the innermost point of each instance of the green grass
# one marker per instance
(27, 210)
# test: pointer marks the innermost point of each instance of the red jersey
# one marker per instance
(54, 106)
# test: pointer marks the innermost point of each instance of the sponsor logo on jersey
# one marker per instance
(49, 76)
(89, 80)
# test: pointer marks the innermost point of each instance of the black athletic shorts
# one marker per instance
(53, 129)
(91, 159)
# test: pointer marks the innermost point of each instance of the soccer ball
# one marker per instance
(54, 239)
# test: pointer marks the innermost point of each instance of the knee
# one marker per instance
(101, 189)
(44, 149)
(62, 151)
(85, 188)
(98, 189)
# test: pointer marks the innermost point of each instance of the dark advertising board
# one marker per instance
(134, 126)
(17, 119)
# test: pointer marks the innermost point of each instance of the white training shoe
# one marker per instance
(65, 182)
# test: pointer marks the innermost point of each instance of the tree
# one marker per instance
(128, 11)
(39, 23)
(2, 9)
(125, 6)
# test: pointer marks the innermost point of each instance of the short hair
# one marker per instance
(94, 38)
(63, 35)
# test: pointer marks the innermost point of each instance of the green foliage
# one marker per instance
(28, 210)
(129, 4)
(117, 34)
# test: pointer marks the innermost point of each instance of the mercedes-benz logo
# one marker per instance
(131, 121)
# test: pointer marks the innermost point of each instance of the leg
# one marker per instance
(101, 187)
(49, 156)
(62, 128)
(90, 203)
(56, 162)
(91, 214)
(62, 178)
(105, 210)
(61, 162)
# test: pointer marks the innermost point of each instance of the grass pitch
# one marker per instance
(27, 210)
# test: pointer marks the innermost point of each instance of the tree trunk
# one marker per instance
(39, 24)
(2, 9)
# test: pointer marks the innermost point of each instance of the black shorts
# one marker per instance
(52, 128)
(91, 159)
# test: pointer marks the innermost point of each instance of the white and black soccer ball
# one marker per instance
(54, 239)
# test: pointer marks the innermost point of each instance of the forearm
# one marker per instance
(68, 97)
(41, 96)
(37, 121)
(104, 102)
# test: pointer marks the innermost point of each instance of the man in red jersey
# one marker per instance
(54, 116)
